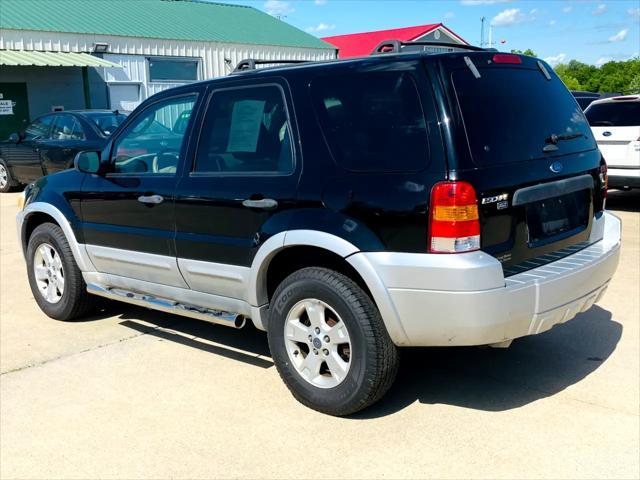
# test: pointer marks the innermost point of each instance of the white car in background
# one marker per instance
(615, 123)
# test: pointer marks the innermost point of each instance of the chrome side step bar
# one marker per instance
(169, 306)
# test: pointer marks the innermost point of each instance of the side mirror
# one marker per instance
(14, 138)
(87, 162)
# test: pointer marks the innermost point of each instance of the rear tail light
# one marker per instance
(507, 58)
(454, 224)
(604, 180)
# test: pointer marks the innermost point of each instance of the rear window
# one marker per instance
(373, 122)
(623, 114)
(107, 122)
(510, 115)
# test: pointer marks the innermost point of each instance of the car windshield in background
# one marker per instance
(614, 114)
(107, 122)
(512, 114)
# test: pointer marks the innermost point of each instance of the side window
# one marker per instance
(67, 127)
(246, 130)
(373, 121)
(152, 143)
(39, 129)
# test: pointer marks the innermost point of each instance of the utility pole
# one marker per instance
(482, 31)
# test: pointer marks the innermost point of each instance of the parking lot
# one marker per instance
(132, 393)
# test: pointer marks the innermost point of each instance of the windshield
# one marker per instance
(622, 114)
(107, 122)
(512, 114)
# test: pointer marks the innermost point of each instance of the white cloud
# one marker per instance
(552, 23)
(556, 59)
(600, 9)
(321, 27)
(634, 12)
(602, 61)
(620, 36)
(449, 15)
(509, 17)
(320, 2)
(567, 9)
(277, 7)
(483, 2)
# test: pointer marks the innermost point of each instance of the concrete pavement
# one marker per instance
(132, 393)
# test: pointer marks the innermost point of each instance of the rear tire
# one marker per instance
(329, 343)
(55, 279)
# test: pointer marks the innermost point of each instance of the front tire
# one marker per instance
(6, 180)
(55, 279)
(329, 343)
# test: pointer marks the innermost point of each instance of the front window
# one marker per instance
(152, 144)
(39, 129)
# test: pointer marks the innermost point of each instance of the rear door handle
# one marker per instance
(265, 203)
(151, 199)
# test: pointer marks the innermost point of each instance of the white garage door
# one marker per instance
(124, 98)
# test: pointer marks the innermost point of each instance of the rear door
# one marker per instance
(128, 212)
(616, 126)
(244, 176)
(523, 142)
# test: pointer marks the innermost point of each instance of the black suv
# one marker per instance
(347, 208)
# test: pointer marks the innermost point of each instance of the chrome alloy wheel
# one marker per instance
(49, 273)
(318, 343)
(4, 176)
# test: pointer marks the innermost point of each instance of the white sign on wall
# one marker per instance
(6, 107)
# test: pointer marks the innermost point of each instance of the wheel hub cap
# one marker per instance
(49, 273)
(317, 342)
(3, 176)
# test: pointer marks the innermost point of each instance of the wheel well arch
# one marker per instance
(32, 222)
(293, 258)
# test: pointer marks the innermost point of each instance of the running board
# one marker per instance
(218, 317)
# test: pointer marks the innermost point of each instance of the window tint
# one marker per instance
(246, 130)
(107, 122)
(39, 129)
(622, 114)
(151, 144)
(165, 70)
(373, 122)
(509, 113)
(67, 127)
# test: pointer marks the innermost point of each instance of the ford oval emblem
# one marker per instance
(556, 167)
(606, 134)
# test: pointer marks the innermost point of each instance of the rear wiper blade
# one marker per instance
(554, 138)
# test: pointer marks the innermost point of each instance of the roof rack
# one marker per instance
(251, 63)
(395, 46)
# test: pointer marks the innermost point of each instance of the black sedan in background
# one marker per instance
(50, 143)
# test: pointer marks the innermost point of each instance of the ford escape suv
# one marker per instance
(347, 208)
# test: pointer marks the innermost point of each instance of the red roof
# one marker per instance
(362, 44)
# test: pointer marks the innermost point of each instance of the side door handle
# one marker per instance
(151, 199)
(265, 203)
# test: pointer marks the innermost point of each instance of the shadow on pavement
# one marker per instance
(247, 345)
(494, 380)
(624, 201)
(480, 378)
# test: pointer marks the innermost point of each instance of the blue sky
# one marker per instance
(589, 31)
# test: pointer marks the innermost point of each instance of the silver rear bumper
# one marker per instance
(464, 299)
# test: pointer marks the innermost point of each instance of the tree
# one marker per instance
(528, 52)
(616, 77)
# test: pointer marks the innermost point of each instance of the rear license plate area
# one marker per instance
(556, 218)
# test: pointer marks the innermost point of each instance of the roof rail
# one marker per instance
(395, 46)
(251, 63)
